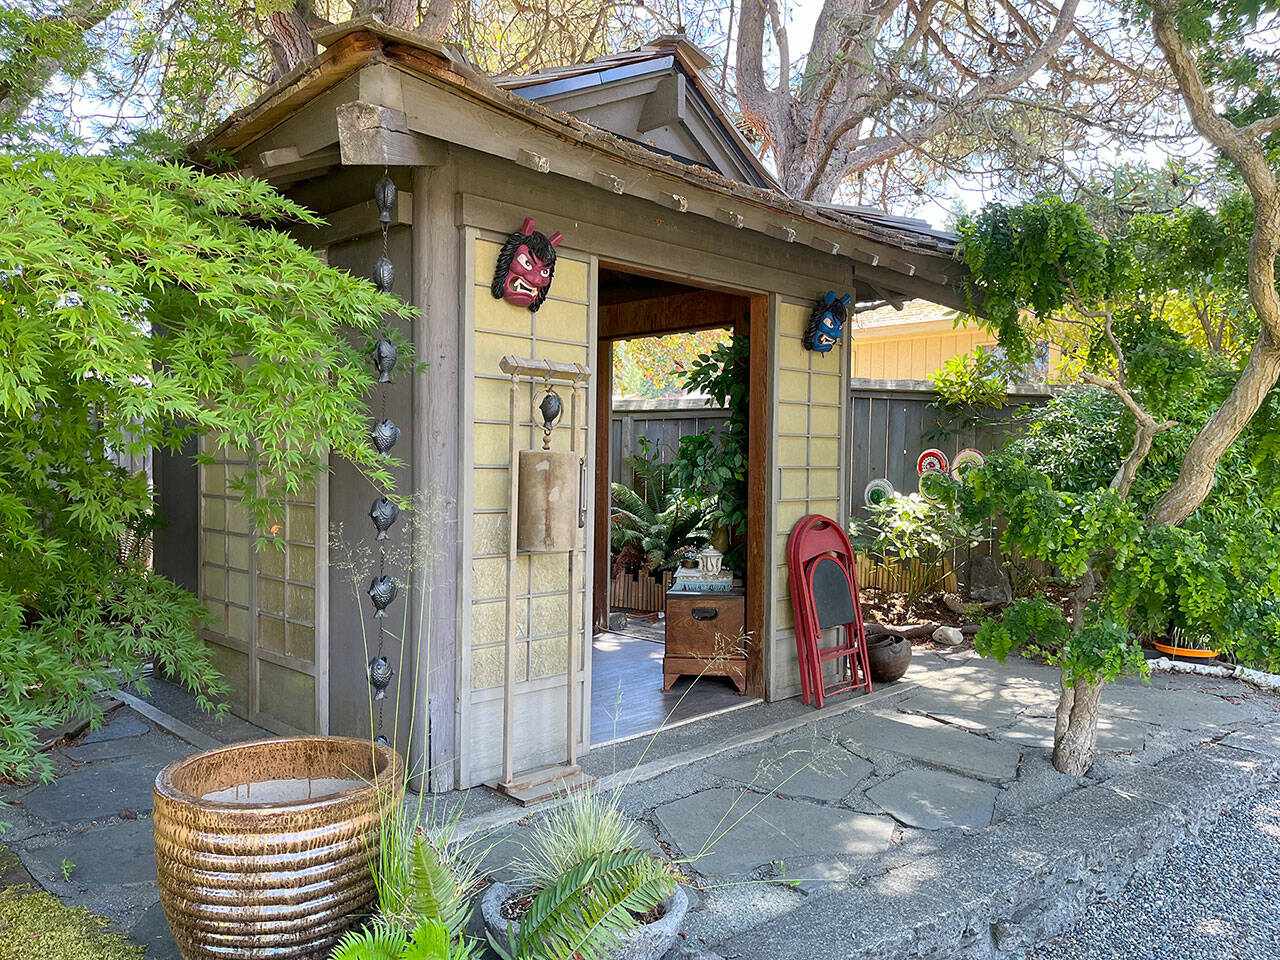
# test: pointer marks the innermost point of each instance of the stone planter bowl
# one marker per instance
(271, 880)
(888, 658)
(649, 942)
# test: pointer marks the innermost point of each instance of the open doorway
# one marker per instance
(671, 637)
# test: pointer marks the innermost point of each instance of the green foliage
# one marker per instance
(430, 940)
(977, 379)
(583, 827)
(1031, 257)
(656, 538)
(35, 926)
(589, 908)
(714, 464)
(1076, 439)
(420, 876)
(654, 367)
(1100, 648)
(142, 304)
(911, 533)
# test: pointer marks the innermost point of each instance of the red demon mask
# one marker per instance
(525, 267)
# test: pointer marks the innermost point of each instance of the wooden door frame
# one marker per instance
(753, 323)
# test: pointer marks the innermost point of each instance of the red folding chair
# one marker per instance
(824, 595)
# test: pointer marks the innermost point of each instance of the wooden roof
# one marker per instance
(895, 258)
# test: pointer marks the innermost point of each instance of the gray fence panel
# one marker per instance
(662, 428)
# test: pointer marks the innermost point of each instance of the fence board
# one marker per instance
(892, 423)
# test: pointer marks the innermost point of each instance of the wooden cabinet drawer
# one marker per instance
(705, 625)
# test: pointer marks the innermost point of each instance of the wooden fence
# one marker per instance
(661, 422)
(893, 422)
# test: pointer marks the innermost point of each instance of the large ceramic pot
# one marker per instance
(888, 657)
(263, 848)
(649, 942)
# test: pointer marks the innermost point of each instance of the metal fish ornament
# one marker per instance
(382, 590)
(384, 195)
(380, 674)
(383, 513)
(550, 409)
(384, 274)
(382, 739)
(384, 435)
(385, 356)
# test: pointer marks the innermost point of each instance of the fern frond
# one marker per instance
(436, 894)
(377, 942)
(592, 906)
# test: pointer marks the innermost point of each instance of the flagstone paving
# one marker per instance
(933, 799)
(926, 821)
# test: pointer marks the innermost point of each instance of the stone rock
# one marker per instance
(648, 942)
(953, 603)
(617, 621)
(730, 833)
(948, 636)
(823, 771)
(152, 931)
(935, 744)
(987, 581)
(934, 799)
(125, 725)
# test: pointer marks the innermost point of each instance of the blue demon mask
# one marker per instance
(826, 323)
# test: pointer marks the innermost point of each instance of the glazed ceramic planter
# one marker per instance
(263, 849)
(888, 658)
(649, 942)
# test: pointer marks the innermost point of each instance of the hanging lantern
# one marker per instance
(382, 590)
(383, 513)
(384, 435)
(385, 356)
(380, 674)
(384, 274)
(384, 195)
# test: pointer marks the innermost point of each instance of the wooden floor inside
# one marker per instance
(626, 686)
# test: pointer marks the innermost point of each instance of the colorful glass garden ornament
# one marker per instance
(932, 459)
(965, 461)
(526, 266)
(877, 492)
(826, 323)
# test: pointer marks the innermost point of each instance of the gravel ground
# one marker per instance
(1216, 897)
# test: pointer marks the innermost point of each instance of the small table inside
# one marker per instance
(705, 636)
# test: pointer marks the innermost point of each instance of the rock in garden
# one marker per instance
(953, 603)
(987, 581)
(948, 636)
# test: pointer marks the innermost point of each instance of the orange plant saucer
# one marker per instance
(1173, 651)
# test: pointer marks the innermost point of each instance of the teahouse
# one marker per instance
(537, 219)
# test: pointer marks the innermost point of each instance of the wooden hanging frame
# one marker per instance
(542, 783)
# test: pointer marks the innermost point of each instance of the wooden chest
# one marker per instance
(704, 637)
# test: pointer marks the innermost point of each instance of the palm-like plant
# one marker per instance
(590, 908)
(657, 535)
(422, 882)
(430, 940)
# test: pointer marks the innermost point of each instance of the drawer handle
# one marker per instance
(705, 613)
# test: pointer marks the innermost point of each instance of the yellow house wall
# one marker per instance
(809, 408)
(560, 330)
(915, 351)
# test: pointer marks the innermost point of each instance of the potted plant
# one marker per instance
(587, 889)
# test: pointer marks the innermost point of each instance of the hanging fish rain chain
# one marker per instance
(383, 513)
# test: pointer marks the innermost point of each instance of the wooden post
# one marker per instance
(509, 690)
(758, 572)
(541, 784)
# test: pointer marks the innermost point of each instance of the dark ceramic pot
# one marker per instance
(277, 877)
(888, 657)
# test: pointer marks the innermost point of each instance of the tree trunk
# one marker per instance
(290, 39)
(1076, 726)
